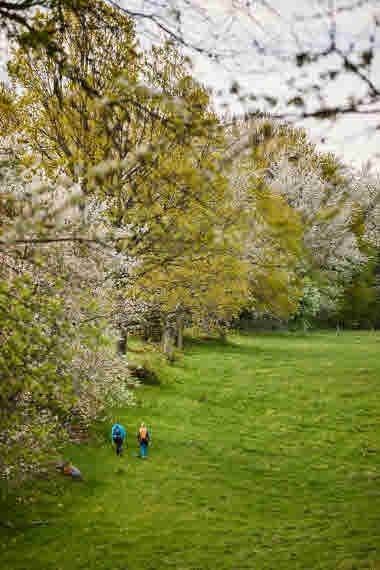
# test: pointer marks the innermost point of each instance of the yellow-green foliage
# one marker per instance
(64, 121)
(271, 230)
(137, 131)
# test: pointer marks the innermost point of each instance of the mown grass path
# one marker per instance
(265, 455)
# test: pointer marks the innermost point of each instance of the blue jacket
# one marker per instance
(121, 429)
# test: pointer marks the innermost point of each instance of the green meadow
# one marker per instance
(265, 454)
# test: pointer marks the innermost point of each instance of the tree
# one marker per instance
(334, 209)
(172, 187)
(271, 231)
(20, 25)
(111, 134)
(58, 358)
(63, 121)
(358, 305)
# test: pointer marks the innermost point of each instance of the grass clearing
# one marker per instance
(265, 455)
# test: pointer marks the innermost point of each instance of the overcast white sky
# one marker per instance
(230, 29)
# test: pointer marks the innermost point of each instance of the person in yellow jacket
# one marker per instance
(143, 437)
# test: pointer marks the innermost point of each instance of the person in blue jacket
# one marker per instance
(143, 437)
(118, 437)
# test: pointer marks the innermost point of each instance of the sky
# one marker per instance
(252, 43)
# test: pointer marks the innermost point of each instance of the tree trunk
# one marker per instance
(122, 345)
(168, 342)
(179, 332)
(222, 335)
(222, 331)
(153, 330)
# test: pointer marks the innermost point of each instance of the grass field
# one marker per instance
(265, 455)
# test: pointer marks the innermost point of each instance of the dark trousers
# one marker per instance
(119, 447)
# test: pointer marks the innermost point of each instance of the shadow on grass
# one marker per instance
(234, 348)
(231, 347)
(199, 345)
(287, 346)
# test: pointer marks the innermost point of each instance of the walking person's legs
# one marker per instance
(143, 448)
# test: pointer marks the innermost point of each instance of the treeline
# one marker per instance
(127, 203)
(339, 268)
